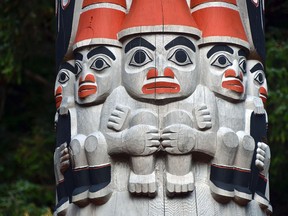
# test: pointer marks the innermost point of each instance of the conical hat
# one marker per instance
(99, 23)
(220, 22)
(148, 16)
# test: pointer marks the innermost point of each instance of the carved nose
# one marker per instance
(169, 73)
(232, 73)
(88, 78)
(152, 73)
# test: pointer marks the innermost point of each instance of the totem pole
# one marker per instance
(161, 108)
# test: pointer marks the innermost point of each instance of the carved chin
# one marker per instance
(233, 85)
(161, 88)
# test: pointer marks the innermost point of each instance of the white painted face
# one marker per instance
(160, 66)
(97, 73)
(257, 84)
(64, 85)
(223, 70)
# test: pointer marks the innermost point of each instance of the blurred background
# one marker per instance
(27, 76)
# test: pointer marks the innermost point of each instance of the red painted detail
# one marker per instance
(99, 23)
(242, 170)
(158, 13)
(99, 166)
(263, 94)
(220, 21)
(262, 177)
(90, 2)
(222, 166)
(194, 3)
(168, 72)
(232, 73)
(85, 87)
(234, 85)
(152, 73)
(86, 90)
(58, 96)
(88, 78)
(161, 88)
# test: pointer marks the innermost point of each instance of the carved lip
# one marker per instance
(161, 85)
(86, 90)
(263, 94)
(58, 96)
(234, 85)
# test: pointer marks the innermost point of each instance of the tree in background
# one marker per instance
(27, 77)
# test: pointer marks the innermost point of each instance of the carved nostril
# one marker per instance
(168, 72)
(88, 78)
(152, 73)
(230, 73)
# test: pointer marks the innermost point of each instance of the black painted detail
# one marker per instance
(222, 177)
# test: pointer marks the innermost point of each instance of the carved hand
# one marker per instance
(141, 140)
(64, 158)
(118, 117)
(178, 139)
(203, 117)
(263, 156)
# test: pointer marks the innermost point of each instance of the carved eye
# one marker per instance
(78, 68)
(140, 58)
(242, 65)
(259, 78)
(63, 77)
(180, 57)
(222, 62)
(99, 64)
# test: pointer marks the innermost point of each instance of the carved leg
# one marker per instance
(80, 171)
(99, 168)
(62, 197)
(242, 168)
(142, 179)
(221, 173)
(179, 177)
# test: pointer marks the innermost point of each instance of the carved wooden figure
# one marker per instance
(66, 127)
(97, 61)
(166, 108)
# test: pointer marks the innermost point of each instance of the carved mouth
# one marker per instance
(86, 90)
(234, 85)
(263, 94)
(161, 86)
(58, 96)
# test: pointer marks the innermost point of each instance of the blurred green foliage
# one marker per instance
(27, 109)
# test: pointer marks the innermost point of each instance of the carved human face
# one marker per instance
(64, 85)
(97, 73)
(160, 66)
(223, 70)
(257, 84)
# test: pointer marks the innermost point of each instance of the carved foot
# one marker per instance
(221, 183)
(176, 185)
(143, 184)
(100, 196)
(62, 206)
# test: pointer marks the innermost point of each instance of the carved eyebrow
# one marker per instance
(242, 52)
(257, 67)
(78, 56)
(101, 50)
(139, 41)
(181, 41)
(218, 48)
(67, 66)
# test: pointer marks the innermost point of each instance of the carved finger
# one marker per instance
(114, 119)
(153, 136)
(204, 112)
(153, 143)
(259, 164)
(260, 157)
(260, 152)
(64, 158)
